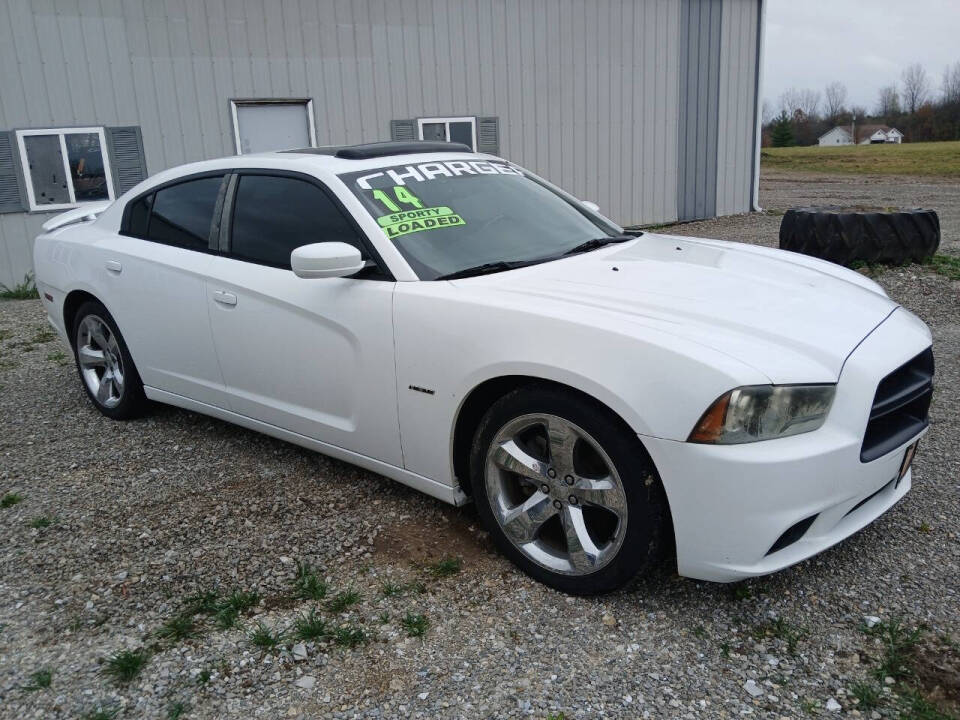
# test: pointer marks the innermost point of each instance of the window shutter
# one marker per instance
(404, 130)
(127, 161)
(488, 135)
(12, 191)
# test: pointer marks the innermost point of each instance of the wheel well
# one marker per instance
(480, 399)
(71, 304)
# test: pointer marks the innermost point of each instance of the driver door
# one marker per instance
(311, 356)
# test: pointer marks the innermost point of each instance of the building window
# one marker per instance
(64, 167)
(273, 124)
(449, 129)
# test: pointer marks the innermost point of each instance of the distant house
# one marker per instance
(866, 135)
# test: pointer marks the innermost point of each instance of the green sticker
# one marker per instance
(413, 221)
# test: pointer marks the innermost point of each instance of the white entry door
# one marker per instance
(262, 126)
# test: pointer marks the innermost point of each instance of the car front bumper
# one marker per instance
(731, 503)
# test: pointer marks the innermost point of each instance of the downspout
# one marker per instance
(758, 129)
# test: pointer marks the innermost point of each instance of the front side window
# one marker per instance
(179, 215)
(64, 168)
(274, 215)
(446, 217)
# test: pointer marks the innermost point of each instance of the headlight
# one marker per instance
(763, 412)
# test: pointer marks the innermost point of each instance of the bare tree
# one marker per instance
(766, 112)
(916, 87)
(836, 100)
(951, 83)
(888, 102)
(800, 104)
(790, 101)
(810, 103)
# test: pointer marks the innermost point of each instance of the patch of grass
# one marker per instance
(741, 592)
(176, 710)
(924, 527)
(203, 677)
(919, 159)
(341, 601)
(39, 680)
(126, 665)
(791, 634)
(308, 584)
(415, 625)
(946, 265)
(699, 632)
(349, 636)
(557, 716)
(265, 639)
(898, 644)
(226, 618)
(809, 706)
(42, 521)
(59, 357)
(867, 695)
(310, 626)
(43, 335)
(391, 589)
(725, 649)
(917, 707)
(241, 601)
(101, 713)
(26, 290)
(446, 567)
(417, 587)
(10, 499)
(206, 602)
(179, 628)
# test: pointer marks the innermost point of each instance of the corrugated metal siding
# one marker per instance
(587, 91)
(738, 100)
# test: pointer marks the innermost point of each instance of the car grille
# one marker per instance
(900, 407)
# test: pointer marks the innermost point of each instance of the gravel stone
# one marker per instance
(147, 513)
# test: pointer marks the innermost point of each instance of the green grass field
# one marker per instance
(933, 159)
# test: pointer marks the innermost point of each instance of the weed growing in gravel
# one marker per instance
(60, 358)
(341, 601)
(349, 636)
(725, 649)
(558, 716)
(810, 707)
(10, 499)
(445, 568)
(310, 626)
(919, 708)
(898, 645)
(946, 265)
(43, 335)
(206, 602)
(39, 680)
(203, 677)
(176, 710)
(924, 527)
(178, 628)
(226, 618)
(26, 290)
(41, 522)
(417, 587)
(391, 589)
(101, 713)
(782, 630)
(415, 625)
(867, 695)
(308, 584)
(264, 638)
(241, 600)
(126, 665)
(383, 618)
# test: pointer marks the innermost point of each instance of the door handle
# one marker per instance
(225, 298)
(113, 266)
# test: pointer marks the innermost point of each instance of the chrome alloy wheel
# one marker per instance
(101, 363)
(556, 494)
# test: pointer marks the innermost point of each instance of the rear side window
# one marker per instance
(140, 216)
(181, 214)
(274, 215)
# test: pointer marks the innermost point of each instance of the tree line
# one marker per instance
(915, 106)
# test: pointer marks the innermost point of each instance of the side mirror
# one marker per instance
(591, 206)
(326, 260)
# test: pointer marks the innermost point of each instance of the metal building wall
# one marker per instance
(587, 91)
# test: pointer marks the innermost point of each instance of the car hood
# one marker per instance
(791, 317)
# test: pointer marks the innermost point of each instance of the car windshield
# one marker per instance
(450, 216)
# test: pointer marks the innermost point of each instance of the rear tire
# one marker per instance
(567, 491)
(107, 372)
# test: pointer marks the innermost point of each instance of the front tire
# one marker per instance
(567, 491)
(106, 370)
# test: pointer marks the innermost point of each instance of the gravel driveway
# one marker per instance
(107, 529)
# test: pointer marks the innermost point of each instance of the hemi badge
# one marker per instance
(426, 391)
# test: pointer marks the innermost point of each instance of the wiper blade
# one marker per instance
(486, 269)
(595, 243)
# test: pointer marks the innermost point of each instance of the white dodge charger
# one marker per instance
(456, 323)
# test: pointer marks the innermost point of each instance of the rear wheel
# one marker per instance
(567, 492)
(106, 369)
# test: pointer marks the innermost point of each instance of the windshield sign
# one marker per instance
(445, 216)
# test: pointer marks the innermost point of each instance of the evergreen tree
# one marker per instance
(782, 131)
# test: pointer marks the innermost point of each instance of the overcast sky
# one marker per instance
(865, 44)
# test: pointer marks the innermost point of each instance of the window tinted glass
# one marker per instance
(139, 216)
(273, 215)
(182, 213)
